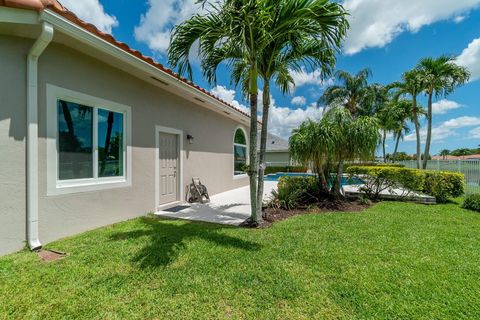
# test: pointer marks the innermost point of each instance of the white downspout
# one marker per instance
(32, 134)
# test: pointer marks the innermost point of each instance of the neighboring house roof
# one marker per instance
(468, 157)
(57, 7)
(274, 143)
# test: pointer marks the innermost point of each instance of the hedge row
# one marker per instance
(373, 164)
(439, 184)
(295, 169)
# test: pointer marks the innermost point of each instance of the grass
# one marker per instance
(393, 261)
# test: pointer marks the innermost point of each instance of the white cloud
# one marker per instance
(299, 101)
(447, 128)
(470, 58)
(475, 133)
(459, 19)
(375, 23)
(304, 77)
(157, 23)
(229, 96)
(282, 120)
(443, 106)
(92, 12)
(461, 122)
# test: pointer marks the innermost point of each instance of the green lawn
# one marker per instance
(392, 261)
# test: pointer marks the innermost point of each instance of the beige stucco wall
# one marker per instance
(12, 143)
(210, 157)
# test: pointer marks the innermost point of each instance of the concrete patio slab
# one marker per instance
(394, 194)
(230, 208)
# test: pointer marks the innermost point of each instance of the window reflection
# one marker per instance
(75, 154)
(239, 152)
(110, 143)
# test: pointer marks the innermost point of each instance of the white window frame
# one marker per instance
(58, 187)
(243, 175)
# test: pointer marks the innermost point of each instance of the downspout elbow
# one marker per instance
(36, 50)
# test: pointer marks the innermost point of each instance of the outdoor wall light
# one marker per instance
(190, 138)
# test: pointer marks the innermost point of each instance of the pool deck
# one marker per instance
(230, 207)
(233, 207)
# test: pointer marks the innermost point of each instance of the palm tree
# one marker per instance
(296, 45)
(281, 35)
(444, 153)
(411, 85)
(234, 31)
(402, 111)
(353, 92)
(387, 125)
(440, 76)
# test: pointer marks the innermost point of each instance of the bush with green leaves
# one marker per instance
(378, 179)
(295, 192)
(444, 185)
(275, 169)
(373, 164)
(439, 184)
(472, 202)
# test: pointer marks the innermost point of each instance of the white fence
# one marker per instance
(470, 168)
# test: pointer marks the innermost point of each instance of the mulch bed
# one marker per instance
(272, 215)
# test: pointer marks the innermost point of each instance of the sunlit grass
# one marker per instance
(394, 260)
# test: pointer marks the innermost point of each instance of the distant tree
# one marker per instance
(440, 77)
(462, 152)
(403, 156)
(352, 92)
(411, 85)
(444, 153)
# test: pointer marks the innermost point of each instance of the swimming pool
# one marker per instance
(275, 176)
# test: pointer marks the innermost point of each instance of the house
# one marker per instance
(452, 158)
(93, 132)
(277, 153)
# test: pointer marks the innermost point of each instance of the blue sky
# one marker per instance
(387, 36)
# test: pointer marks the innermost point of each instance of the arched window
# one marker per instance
(239, 152)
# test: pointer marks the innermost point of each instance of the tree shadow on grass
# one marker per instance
(166, 240)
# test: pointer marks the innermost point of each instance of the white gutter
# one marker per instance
(32, 134)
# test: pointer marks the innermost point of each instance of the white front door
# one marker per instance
(168, 163)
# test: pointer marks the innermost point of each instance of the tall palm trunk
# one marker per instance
(397, 142)
(426, 154)
(384, 137)
(263, 146)
(253, 170)
(417, 133)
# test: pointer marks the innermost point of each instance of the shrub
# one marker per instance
(472, 202)
(444, 185)
(380, 178)
(373, 164)
(275, 169)
(293, 192)
(438, 184)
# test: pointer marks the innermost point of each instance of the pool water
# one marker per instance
(275, 176)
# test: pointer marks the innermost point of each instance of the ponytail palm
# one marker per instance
(336, 138)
